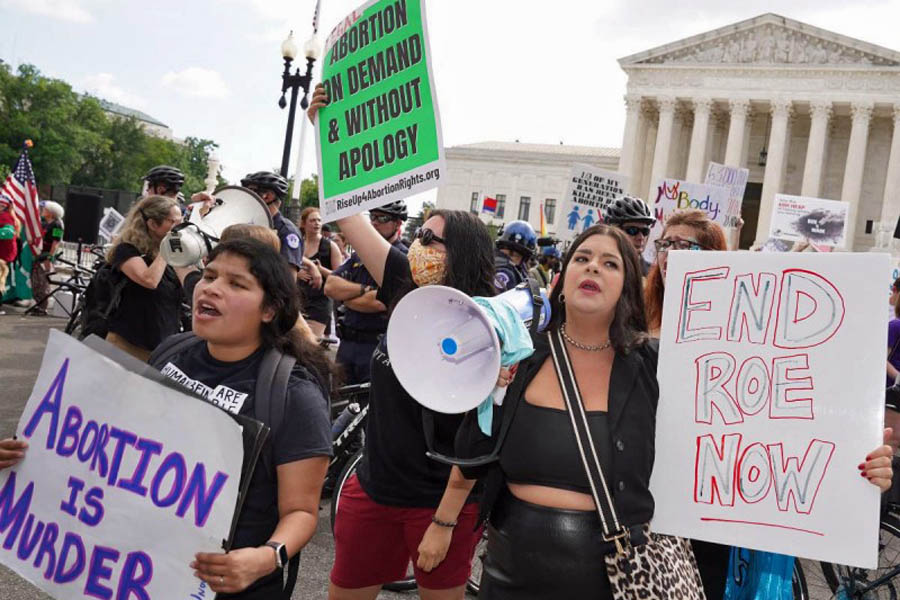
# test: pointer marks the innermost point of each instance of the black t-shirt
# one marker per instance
(53, 232)
(394, 470)
(305, 432)
(146, 317)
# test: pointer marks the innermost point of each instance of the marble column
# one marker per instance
(734, 148)
(861, 115)
(890, 206)
(699, 137)
(630, 143)
(773, 178)
(820, 112)
(666, 106)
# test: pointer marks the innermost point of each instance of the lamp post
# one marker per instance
(293, 82)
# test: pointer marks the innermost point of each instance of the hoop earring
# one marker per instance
(562, 298)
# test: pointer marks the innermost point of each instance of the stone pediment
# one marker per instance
(767, 40)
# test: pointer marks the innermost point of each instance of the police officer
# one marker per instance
(364, 318)
(516, 244)
(634, 217)
(272, 188)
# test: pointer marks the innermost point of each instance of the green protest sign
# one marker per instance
(379, 138)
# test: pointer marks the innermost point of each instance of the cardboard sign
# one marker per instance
(820, 222)
(590, 190)
(734, 179)
(379, 139)
(771, 379)
(124, 481)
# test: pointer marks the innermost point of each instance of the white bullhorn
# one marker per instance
(189, 243)
(443, 347)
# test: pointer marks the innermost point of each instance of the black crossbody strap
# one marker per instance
(612, 529)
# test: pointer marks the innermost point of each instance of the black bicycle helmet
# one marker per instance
(268, 181)
(164, 174)
(518, 236)
(628, 209)
(395, 209)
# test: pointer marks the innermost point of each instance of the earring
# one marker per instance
(562, 298)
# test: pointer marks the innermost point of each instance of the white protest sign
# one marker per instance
(123, 482)
(673, 195)
(771, 379)
(734, 179)
(821, 222)
(590, 190)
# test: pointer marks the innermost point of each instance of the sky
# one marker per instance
(539, 72)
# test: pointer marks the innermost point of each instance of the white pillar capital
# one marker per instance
(739, 106)
(896, 114)
(666, 104)
(821, 109)
(861, 111)
(781, 108)
(702, 104)
(633, 102)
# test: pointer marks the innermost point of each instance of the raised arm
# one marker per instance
(368, 243)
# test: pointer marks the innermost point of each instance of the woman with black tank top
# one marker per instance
(327, 257)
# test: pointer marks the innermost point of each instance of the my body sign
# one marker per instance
(123, 482)
(771, 377)
(379, 138)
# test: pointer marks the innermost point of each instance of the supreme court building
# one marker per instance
(809, 112)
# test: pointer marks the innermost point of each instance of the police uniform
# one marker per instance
(507, 275)
(359, 332)
(291, 241)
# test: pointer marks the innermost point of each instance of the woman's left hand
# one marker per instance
(877, 466)
(235, 571)
(434, 546)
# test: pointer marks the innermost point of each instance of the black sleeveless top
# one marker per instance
(323, 255)
(540, 448)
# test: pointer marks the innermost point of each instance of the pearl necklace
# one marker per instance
(581, 346)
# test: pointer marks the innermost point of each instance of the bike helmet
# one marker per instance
(518, 236)
(395, 209)
(164, 174)
(628, 209)
(267, 181)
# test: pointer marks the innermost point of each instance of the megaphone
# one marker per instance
(188, 243)
(443, 346)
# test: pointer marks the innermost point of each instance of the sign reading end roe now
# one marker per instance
(771, 379)
(379, 139)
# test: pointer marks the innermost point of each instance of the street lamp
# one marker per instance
(293, 82)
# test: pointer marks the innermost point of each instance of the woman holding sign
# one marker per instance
(401, 505)
(245, 305)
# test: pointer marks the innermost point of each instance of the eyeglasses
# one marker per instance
(427, 236)
(380, 218)
(633, 230)
(666, 244)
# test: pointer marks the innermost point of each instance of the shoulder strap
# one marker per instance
(171, 346)
(612, 529)
(116, 296)
(537, 303)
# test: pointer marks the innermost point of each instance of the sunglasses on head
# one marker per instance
(380, 218)
(633, 230)
(426, 236)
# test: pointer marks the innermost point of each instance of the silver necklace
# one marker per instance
(581, 346)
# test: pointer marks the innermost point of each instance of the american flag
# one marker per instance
(22, 188)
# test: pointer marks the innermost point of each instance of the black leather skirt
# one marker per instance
(542, 553)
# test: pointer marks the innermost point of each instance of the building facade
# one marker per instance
(522, 177)
(809, 112)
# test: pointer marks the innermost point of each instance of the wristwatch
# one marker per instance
(281, 555)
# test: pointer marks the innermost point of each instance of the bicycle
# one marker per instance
(75, 284)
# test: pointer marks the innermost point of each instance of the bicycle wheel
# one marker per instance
(73, 326)
(404, 585)
(853, 582)
(473, 585)
(798, 582)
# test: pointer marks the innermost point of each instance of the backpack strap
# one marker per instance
(269, 405)
(537, 303)
(171, 346)
(116, 296)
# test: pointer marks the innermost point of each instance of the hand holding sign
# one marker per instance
(11, 452)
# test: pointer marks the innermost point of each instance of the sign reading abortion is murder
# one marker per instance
(771, 379)
(123, 482)
(379, 138)
(590, 190)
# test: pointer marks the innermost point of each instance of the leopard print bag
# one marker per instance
(662, 568)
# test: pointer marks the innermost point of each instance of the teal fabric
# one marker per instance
(757, 575)
(7, 232)
(515, 346)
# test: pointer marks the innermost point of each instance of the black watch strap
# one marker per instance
(281, 555)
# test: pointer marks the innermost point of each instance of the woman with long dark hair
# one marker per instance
(149, 308)
(245, 305)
